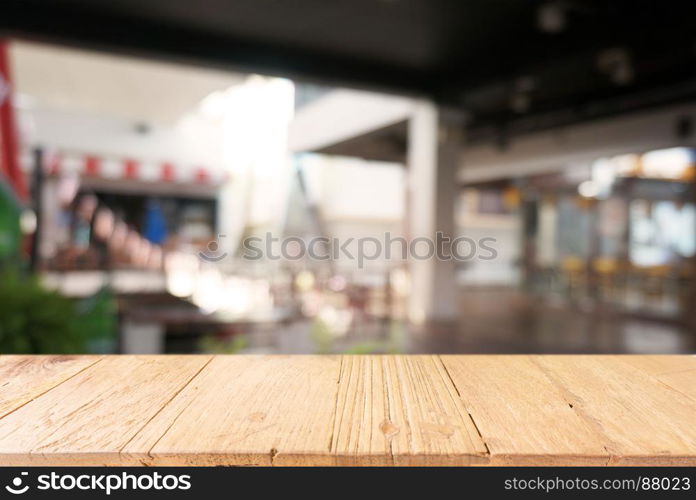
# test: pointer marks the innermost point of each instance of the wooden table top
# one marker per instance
(347, 410)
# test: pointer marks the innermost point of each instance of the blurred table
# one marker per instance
(347, 410)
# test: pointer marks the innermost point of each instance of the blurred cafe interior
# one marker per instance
(144, 145)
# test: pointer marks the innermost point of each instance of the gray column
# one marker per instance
(434, 147)
(142, 338)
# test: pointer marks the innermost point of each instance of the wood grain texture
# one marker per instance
(639, 419)
(677, 372)
(402, 410)
(523, 416)
(90, 417)
(247, 410)
(23, 378)
(661, 365)
(347, 410)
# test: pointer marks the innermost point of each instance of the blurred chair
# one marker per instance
(574, 274)
(606, 271)
(655, 282)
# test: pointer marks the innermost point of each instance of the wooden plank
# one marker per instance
(643, 420)
(402, 410)
(363, 428)
(682, 382)
(24, 378)
(522, 416)
(90, 417)
(353, 410)
(424, 403)
(662, 364)
(677, 372)
(247, 410)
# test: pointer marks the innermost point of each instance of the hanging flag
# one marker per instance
(9, 151)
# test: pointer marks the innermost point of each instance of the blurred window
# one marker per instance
(661, 232)
(492, 202)
(574, 226)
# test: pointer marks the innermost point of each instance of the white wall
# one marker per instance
(504, 228)
(82, 81)
(351, 188)
(193, 142)
(358, 199)
(504, 269)
(90, 102)
(555, 150)
(343, 114)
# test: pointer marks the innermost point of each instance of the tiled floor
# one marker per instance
(496, 321)
(505, 321)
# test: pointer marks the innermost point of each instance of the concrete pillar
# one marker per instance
(51, 233)
(434, 146)
(232, 213)
(142, 338)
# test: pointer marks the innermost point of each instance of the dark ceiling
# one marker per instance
(517, 64)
